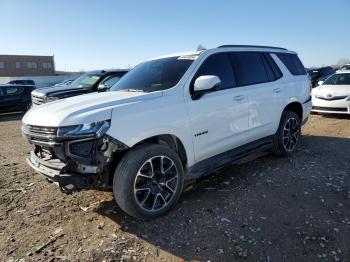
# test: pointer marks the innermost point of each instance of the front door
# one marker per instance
(219, 119)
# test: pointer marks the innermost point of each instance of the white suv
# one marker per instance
(170, 120)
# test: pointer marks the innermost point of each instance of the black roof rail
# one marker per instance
(254, 46)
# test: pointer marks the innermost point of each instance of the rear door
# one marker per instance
(254, 72)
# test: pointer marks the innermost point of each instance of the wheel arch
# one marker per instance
(295, 107)
(169, 140)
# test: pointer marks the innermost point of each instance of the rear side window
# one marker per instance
(249, 68)
(293, 63)
(219, 65)
(14, 90)
(276, 71)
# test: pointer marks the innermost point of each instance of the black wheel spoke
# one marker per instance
(291, 133)
(156, 183)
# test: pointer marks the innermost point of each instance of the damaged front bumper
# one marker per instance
(73, 163)
(54, 170)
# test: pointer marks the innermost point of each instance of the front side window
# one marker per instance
(249, 68)
(2, 91)
(220, 66)
(155, 75)
(86, 81)
(338, 79)
(110, 81)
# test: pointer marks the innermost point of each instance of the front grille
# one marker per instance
(336, 109)
(38, 100)
(39, 135)
(41, 130)
(331, 98)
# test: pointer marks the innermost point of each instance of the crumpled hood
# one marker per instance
(83, 109)
(331, 90)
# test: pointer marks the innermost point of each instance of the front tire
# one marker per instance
(148, 181)
(287, 136)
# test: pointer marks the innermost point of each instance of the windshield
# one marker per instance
(155, 75)
(86, 81)
(338, 79)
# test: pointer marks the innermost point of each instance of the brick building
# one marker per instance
(26, 65)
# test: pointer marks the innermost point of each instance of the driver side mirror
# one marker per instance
(205, 84)
(320, 83)
(102, 88)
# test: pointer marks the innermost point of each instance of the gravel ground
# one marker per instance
(266, 209)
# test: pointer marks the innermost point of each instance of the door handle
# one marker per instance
(277, 90)
(238, 98)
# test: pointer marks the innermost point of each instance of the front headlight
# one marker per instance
(97, 129)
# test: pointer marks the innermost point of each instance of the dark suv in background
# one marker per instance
(22, 82)
(15, 97)
(93, 81)
(320, 74)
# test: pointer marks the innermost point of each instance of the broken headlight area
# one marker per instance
(97, 129)
(80, 156)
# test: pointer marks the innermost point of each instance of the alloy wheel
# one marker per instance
(156, 183)
(291, 134)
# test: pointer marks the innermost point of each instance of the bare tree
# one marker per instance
(343, 61)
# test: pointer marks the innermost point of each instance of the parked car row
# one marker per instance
(167, 122)
(320, 74)
(89, 82)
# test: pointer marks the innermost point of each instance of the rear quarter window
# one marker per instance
(293, 63)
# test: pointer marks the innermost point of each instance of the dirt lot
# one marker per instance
(268, 209)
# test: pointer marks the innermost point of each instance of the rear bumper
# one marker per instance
(307, 106)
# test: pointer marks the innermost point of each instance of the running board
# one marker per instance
(230, 157)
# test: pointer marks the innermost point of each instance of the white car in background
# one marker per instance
(333, 95)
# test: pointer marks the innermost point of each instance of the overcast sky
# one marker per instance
(115, 34)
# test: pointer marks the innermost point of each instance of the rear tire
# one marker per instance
(287, 136)
(148, 181)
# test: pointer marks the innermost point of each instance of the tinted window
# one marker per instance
(14, 90)
(219, 65)
(276, 71)
(249, 68)
(86, 81)
(155, 75)
(293, 64)
(2, 93)
(110, 81)
(268, 69)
